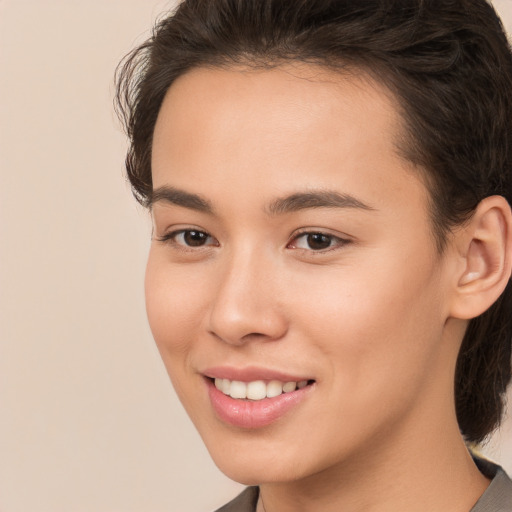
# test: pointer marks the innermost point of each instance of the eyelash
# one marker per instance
(170, 238)
(335, 242)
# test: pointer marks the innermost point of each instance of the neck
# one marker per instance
(433, 471)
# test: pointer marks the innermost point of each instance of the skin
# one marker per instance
(369, 318)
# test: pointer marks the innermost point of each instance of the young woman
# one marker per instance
(329, 276)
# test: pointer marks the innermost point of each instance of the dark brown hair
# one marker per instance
(447, 62)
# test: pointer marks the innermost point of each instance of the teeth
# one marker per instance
(258, 389)
(238, 389)
(274, 388)
(289, 386)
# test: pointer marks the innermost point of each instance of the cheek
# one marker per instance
(175, 299)
(377, 317)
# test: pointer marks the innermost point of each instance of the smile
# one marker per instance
(253, 404)
(257, 389)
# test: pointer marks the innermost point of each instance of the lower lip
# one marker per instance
(254, 414)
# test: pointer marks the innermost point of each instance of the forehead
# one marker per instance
(283, 127)
(294, 97)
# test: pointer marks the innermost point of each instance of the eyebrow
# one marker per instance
(292, 203)
(315, 199)
(181, 198)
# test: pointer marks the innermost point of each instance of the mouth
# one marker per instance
(257, 389)
(257, 403)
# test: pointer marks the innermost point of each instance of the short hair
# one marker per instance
(448, 64)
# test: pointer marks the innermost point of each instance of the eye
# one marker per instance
(316, 241)
(189, 238)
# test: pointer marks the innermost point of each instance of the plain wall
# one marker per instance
(88, 419)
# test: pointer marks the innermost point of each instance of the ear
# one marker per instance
(485, 258)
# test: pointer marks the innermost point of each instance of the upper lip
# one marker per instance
(251, 373)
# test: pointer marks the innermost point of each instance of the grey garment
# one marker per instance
(497, 497)
(244, 502)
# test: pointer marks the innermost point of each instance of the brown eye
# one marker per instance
(195, 238)
(189, 238)
(318, 241)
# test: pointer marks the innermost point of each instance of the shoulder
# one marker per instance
(244, 502)
(498, 496)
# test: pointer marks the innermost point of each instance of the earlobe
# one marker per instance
(485, 245)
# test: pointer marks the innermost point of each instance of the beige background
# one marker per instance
(88, 420)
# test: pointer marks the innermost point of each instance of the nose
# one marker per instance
(247, 303)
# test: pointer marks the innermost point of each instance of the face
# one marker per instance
(293, 266)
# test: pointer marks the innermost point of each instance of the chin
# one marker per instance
(256, 471)
(255, 458)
